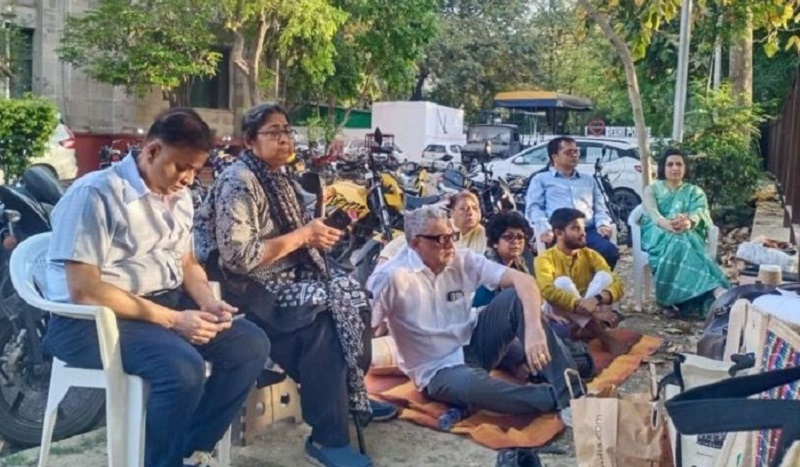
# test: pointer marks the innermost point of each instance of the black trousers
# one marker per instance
(313, 357)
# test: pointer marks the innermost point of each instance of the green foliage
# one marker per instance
(319, 127)
(720, 135)
(143, 45)
(285, 34)
(483, 47)
(376, 49)
(25, 129)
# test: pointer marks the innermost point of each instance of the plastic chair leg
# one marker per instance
(136, 421)
(637, 286)
(55, 395)
(224, 449)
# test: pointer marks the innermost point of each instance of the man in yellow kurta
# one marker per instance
(577, 283)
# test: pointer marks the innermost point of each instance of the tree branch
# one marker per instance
(634, 94)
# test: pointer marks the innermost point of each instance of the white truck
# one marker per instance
(415, 125)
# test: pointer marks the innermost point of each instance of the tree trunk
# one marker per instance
(416, 94)
(249, 62)
(634, 95)
(332, 111)
(741, 62)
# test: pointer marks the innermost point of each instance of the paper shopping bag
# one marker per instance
(613, 430)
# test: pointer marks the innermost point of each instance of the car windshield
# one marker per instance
(495, 134)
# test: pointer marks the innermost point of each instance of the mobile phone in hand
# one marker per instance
(338, 219)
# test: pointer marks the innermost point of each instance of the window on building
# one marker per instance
(213, 92)
(21, 49)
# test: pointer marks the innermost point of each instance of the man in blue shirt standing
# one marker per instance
(564, 187)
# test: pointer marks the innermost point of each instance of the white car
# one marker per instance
(620, 161)
(441, 156)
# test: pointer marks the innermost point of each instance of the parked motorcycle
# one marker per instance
(376, 204)
(24, 367)
(110, 154)
(416, 180)
(494, 193)
(619, 214)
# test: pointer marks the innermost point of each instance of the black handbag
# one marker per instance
(724, 407)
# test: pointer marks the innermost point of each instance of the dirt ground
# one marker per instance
(399, 443)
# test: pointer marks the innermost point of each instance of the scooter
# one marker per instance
(24, 367)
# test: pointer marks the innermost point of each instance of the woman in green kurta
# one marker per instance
(674, 237)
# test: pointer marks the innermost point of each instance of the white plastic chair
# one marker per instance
(641, 267)
(125, 394)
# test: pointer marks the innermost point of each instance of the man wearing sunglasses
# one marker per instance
(446, 346)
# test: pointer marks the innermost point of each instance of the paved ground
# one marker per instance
(399, 443)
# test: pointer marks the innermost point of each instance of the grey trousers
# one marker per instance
(470, 385)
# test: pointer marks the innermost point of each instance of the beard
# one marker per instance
(575, 244)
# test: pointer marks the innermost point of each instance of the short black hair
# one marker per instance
(562, 217)
(555, 144)
(662, 162)
(254, 118)
(182, 127)
(501, 222)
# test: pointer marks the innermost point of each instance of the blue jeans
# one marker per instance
(602, 245)
(185, 413)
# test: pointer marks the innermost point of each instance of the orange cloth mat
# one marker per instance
(500, 431)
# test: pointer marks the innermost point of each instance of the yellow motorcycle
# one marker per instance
(376, 208)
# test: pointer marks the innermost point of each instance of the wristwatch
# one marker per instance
(599, 298)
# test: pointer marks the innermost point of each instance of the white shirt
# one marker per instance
(110, 219)
(430, 316)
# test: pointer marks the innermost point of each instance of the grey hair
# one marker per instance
(416, 220)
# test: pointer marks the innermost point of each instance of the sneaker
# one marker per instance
(382, 411)
(566, 416)
(344, 456)
(200, 459)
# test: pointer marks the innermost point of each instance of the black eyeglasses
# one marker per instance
(442, 239)
(513, 237)
(276, 134)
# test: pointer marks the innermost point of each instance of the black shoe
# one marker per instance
(269, 377)
(518, 457)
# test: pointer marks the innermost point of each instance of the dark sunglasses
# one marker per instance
(443, 238)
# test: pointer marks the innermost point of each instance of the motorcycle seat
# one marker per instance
(415, 202)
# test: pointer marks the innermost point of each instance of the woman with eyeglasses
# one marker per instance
(508, 237)
(253, 229)
(465, 212)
